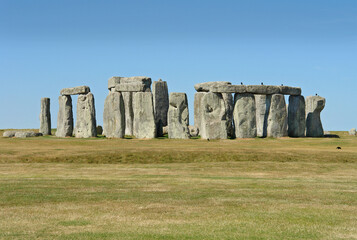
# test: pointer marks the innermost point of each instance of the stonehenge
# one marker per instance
(131, 108)
(314, 106)
(178, 117)
(352, 132)
(45, 117)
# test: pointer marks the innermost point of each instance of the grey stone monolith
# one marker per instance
(178, 116)
(129, 112)
(75, 90)
(296, 116)
(9, 134)
(314, 106)
(244, 116)
(262, 105)
(161, 104)
(352, 132)
(214, 124)
(144, 119)
(86, 124)
(229, 104)
(45, 117)
(198, 110)
(65, 117)
(278, 117)
(114, 116)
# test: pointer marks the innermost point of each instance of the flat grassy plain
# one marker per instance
(52, 188)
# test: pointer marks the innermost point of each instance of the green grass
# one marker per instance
(52, 188)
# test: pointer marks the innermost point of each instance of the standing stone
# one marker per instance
(86, 125)
(144, 119)
(114, 116)
(65, 117)
(214, 117)
(296, 116)
(45, 117)
(198, 110)
(229, 104)
(314, 106)
(177, 117)
(245, 116)
(161, 104)
(262, 105)
(129, 112)
(352, 132)
(277, 120)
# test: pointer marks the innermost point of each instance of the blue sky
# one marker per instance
(49, 45)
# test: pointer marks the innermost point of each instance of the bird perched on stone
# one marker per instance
(282, 84)
(315, 94)
(261, 83)
(241, 83)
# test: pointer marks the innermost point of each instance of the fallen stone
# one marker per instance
(178, 117)
(194, 131)
(244, 116)
(262, 106)
(277, 119)
(198, 109)
(207, 86)
(9, 134)
(161, 104)
(86, 125)
(352, 132)
(214, 124)
(296, 116)
(144, 119)
(45, 117)
(130, 87)
(114, 116)
(64, 117)
(27, 134)
(75, 90)
(314, 106)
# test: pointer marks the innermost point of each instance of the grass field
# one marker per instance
(52, 188)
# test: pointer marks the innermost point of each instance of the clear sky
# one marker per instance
(48, 45)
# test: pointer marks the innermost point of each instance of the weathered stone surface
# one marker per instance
(198, 109)
(130, 87)
(194, 131)
(129, 112)
(165, 130)
(207, 86)
(64, 117)
(161, 104)
(229, 105)
(314, 106)
(86, 124)
(244, 116)
(294, 91)
(114, 116)
(262, 89)
(178, 117)
(278, 117)
(27, 134)
(9, 134)
(75, 90)
(214, 124)
(113, 81)
(262, 105)
(352, 132)
(143, 80)
(45, 117)
(144, 119)
(229, 89)
(296, 116)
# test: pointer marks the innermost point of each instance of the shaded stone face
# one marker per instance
(114, 116)
(45, 117)
(161, 104)
(198, 109)
(262, 105)
(296, 116)
(64, 117)
(277, 119)
(129, 113)
(229, 105)
(144, 119)
(214, 117)
(178, 117)
(75, 90)
(86, 125)
(314, 106)
(245, 116)
(208, 86)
